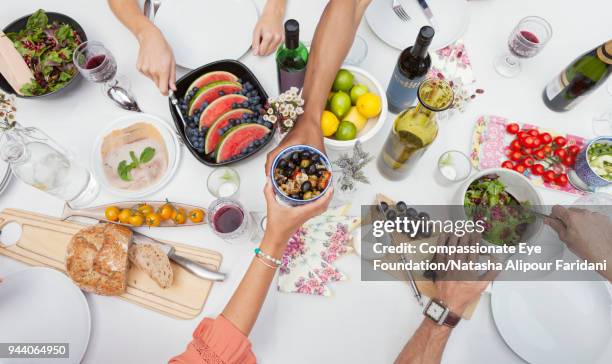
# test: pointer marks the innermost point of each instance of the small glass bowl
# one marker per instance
(454, 166)
(223, 182)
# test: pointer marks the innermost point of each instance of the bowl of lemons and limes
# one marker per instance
(356, 109)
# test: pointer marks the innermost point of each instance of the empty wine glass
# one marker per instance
(526, 40)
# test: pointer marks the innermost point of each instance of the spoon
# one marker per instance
(123, 98)
(533, 211)
(175, 103)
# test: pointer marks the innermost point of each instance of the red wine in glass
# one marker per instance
(95, 62)
(524, 44)
(228, 219)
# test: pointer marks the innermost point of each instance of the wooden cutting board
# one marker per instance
(426, 287)
(43, 242)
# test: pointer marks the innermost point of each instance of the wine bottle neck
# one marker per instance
(419, 51)
(292, 41)
(605, 52)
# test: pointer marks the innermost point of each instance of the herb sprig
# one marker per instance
(124, 170)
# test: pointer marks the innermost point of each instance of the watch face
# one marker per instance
(435, 311)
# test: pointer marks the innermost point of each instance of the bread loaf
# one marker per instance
(153, 261)
(97, 258)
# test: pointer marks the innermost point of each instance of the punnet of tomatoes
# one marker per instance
(540, 154)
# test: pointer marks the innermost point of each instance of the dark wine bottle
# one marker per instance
(581, 77)
(411, 68)
(291, 58)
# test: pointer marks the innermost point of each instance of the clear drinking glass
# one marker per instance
(97, 64)
(230, 220)
(526, 40)
(38, 161)
(454, 166)
(358, 52)
(223, 182)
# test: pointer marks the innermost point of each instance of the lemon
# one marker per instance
(357, 91)
(356, 118)
(329, 123)
(369, 105)
(346, 131)
(344, 81)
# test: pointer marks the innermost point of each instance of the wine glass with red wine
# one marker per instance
(527, 39)
(230, 220)
(97, 64)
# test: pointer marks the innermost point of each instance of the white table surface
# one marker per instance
(364, 322)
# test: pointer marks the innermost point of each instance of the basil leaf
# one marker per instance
(135, 162)
(38, 20)
(123, 170)
(147, 154)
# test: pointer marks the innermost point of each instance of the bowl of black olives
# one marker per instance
(300, 174)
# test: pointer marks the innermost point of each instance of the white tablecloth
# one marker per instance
(364, 322)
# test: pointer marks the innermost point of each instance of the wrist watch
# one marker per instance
(437, 311)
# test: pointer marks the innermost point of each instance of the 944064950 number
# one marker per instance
(34, 350)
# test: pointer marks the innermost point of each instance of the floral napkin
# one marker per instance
(307, 264)
(452, 63)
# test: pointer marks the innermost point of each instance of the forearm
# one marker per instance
(332, 40)
(244, 306)
(276, 7)
(129, 14)
(426, 345)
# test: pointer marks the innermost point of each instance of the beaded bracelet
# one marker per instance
(261, 254)
(262, 261)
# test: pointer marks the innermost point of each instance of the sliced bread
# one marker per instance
(151, 259)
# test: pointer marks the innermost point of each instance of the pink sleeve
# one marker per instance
(217, 342)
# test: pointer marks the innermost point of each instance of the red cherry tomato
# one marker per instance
(508, 165)
(560, 141)
(561, 180)
(527, 142)
(520, 168)
(533, 133)
(516, 156)
(545, 138)
(515, 145)
(527, 151)
(547, 149)
(522, 135)
(539, 154)
(561, 153)
(549, 176)
(528, 162)
(573, 149)
(569, 161)
(537, 169)
(536, 142)
(512, 128)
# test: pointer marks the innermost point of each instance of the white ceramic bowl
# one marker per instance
(519, 187)
(373, 125)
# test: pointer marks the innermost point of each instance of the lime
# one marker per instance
(340, 104)
(329, 123)
(369, 105)
(328, 102)
(346, 131)
(357, 91)
(356, 118)
(344, 81)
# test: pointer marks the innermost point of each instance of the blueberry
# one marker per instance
(268, 125)
(221, 93)
(239, 80)
(246, 116)
(257, 142)
(383, 206)
(204, 130)
(423, 215)
(401, 206)
(234, 105)
(391, 215)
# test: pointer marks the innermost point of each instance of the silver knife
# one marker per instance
(191, 266)
(428, 13)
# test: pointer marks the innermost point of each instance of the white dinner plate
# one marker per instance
(41, 305)
(203, 31)
(553, 322)
(172, 145)
(451, 15)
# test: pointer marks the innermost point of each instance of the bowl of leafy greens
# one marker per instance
(504, 200)
(46, 42)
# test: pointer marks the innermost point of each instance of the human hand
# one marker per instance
(587, 234)
(457, 289)
(268, 32)
(306, 131)
(283, 221)
(156, 60)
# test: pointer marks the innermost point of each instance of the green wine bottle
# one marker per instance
(291, 58)
(581, 77)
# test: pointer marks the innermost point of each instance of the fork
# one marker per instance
(398, 9)
(156, 5)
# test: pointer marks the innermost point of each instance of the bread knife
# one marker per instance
(195, 268)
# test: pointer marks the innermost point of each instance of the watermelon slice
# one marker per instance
(211, 77)
(212, 136)
(238, 138)
(210, 93)
(219, 107)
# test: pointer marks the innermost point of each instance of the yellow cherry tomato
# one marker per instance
(112, 213)
(153, 219)
(124, 216)
(145, 209)
(166, 211)
(180, 217)
(137, 219)
(196, 215)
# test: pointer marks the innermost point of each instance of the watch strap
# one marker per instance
(452, 319)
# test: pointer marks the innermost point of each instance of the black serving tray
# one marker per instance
(19, 24)
(228, 65)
